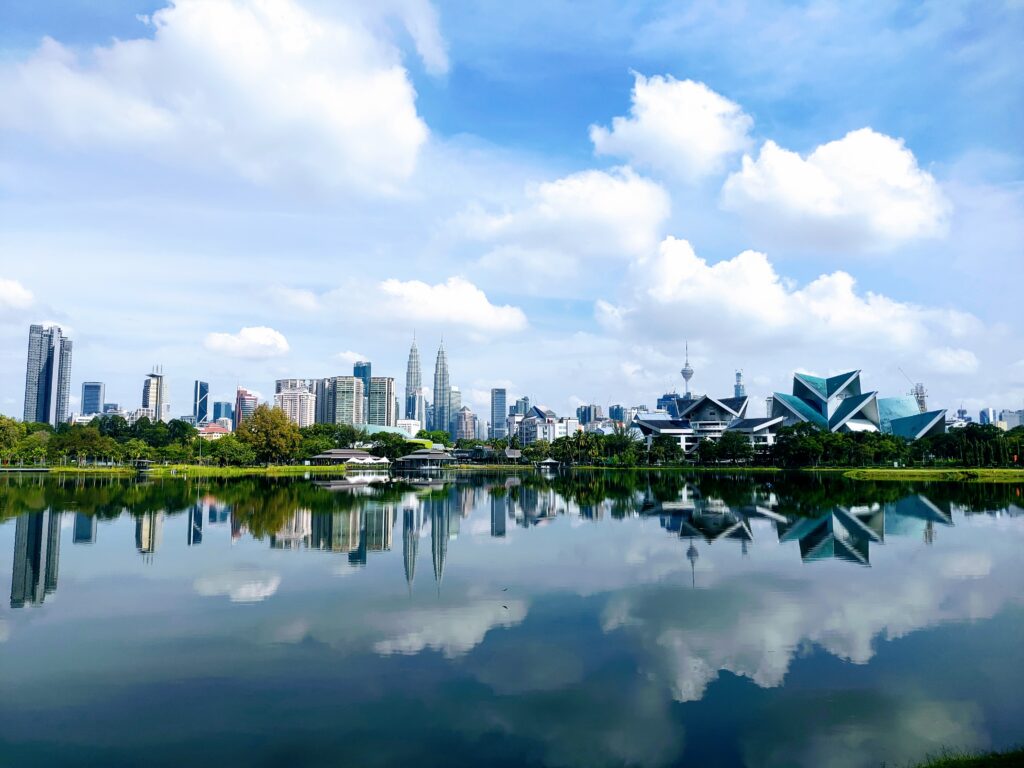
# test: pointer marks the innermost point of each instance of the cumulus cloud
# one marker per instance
(456, 302)
(588, 215)
(264, 88)
(680, 127)
(951, 360)
(243, 585)
(253, 343)
(13, 295)
(454, 631)
(745, 299)
(350, 357)
(862, 192)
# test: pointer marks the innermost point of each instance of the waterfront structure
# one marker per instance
(92, 398)
(222, 410)
(245, 405)
(381, 409)
(36, 557)
(498, 429)
(47, 375)
(299, 405)
(588, 413)
(200, 402)
(442, 392)
(347, 396)
(465, 424)
(424, 460)
(155, 395)
(413, 385)
(739, 389)
(838, 404)
(349, 457)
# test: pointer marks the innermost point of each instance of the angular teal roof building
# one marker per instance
(839, 404)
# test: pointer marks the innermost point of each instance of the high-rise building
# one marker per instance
(92, 398)
(381, 399)
(299, 404)
(223, 410)
(363, 369)
(155, 396)
(522, 406)
(347, 392)
(200, 402)
(498, 406)
(454, 406)
(442, 392)
(111, 407)
(987, 416)
(588, 413)
(413, 385)
(465, 424)
(245, 405)
(282, 384)
(428, 416)
(47, 375)
(739, 390)
(36, 557)
(324, 391)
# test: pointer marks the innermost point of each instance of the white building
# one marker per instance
(299, 404)
(541, 423)
(381, 402)
(411, 427)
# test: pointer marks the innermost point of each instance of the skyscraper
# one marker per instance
(442, 392)
(413, 382)
(245, 405)
(222, 410)
(454, 406)
(498, 405)
(381, 400)
(348, 400)
(92, 397)
(36, 557)
(200, 402)
(47, 375)
(465, 424)
(739, 390)
(154, 395)
(363, 370)
(522, 406)
(299, 404)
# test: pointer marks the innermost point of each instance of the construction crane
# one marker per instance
(917, 391)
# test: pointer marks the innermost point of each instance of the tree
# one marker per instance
(707, 452)
(230, 451)
(136, 449)
(273, 437)
(11, 433)
(537, 450)
(665, 449)
(435, 435)
(390, 445)
(181, 431)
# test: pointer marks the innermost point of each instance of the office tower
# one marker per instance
(195, 525)
(298, 404)
(324, 391)
(482, 429)
(245, 405)
(85, 529)
(442, 392)
(222, 410)
(36, 557)
(155, 396)
(200, 402)
(987, 416)
(465, 424)
(47, 375)
(381, 401)
(92, 398)
(428, 416)
(413, 382)
(308, 384)
(668, 402)
(347, 392)
(739, 390)
(363, 370)
(454, 406)
(522, 406)
(585, 414)
(498, 506)
(617, 413)
(111, 407)
(498, 405)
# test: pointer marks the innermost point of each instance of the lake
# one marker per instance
(609, 619)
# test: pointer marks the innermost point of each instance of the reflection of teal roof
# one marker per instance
(801, 409)
(918, 425)
(848, 408)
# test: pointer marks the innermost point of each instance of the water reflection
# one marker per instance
(599, 620)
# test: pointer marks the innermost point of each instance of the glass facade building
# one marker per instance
(92, 397)
(47, 375)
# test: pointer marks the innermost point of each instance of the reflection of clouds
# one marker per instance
(454, 630)
(5, 631)
(967, 565)
(853, 729)
(240, 585)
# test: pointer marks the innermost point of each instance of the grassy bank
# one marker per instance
(196, 470)
(986, 760)
(949, 474)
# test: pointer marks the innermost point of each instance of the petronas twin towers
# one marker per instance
(415, 407)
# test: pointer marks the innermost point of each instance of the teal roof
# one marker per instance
(802, 409)
(916, 426)
(814, 382)
(890, 408)
(834, 384)
(847, 408)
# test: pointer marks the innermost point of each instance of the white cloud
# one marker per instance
(13, 295)
(257, 342)
(261, 87)
(745, 300)
(681, 127)
(950, 360)
(244, 585)
(455, 302)
(350, 357)
(455, 631)
(862, 192)
(588, 215)
(295, 298)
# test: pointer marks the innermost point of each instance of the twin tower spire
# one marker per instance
(415, 407)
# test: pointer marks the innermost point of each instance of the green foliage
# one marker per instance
(665, 449)
(390, 445)
(11, 433)
(229, 451)
(435, 435)
(273, 437)
(735, 447)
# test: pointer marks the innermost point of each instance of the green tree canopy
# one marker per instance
(273, 437)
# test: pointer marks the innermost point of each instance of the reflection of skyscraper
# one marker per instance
(36, 557)
(498, 516)
(412, 521)
(336, 531)
(439, 522)
(295, 532)
(195, 525)
(380, 524)
(148, 533)
(85, 529)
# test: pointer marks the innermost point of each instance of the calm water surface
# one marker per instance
(591, 620)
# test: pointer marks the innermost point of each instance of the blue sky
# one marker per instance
(565, 195)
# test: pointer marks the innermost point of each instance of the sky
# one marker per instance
(245, 190)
